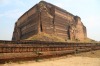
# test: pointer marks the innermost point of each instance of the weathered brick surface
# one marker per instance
(48, 18)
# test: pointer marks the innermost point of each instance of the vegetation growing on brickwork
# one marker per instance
(51, 37)
(46, 37)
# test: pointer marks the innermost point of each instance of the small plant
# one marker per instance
(38, 55)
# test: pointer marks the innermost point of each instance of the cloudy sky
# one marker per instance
(88, 10)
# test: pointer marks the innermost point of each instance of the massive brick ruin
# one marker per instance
(50, 19)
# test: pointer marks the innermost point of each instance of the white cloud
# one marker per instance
(12, 14)
(19, 3)
(5, 2)
(12, 2)
(93, 26)
(8, 18)
(92, 21)
(59, 4)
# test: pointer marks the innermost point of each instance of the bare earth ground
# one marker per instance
(82, 59)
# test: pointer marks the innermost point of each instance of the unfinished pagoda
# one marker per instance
(50, 19)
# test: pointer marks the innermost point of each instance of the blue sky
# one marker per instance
(88, 10)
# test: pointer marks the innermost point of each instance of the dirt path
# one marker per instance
(83, 59)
